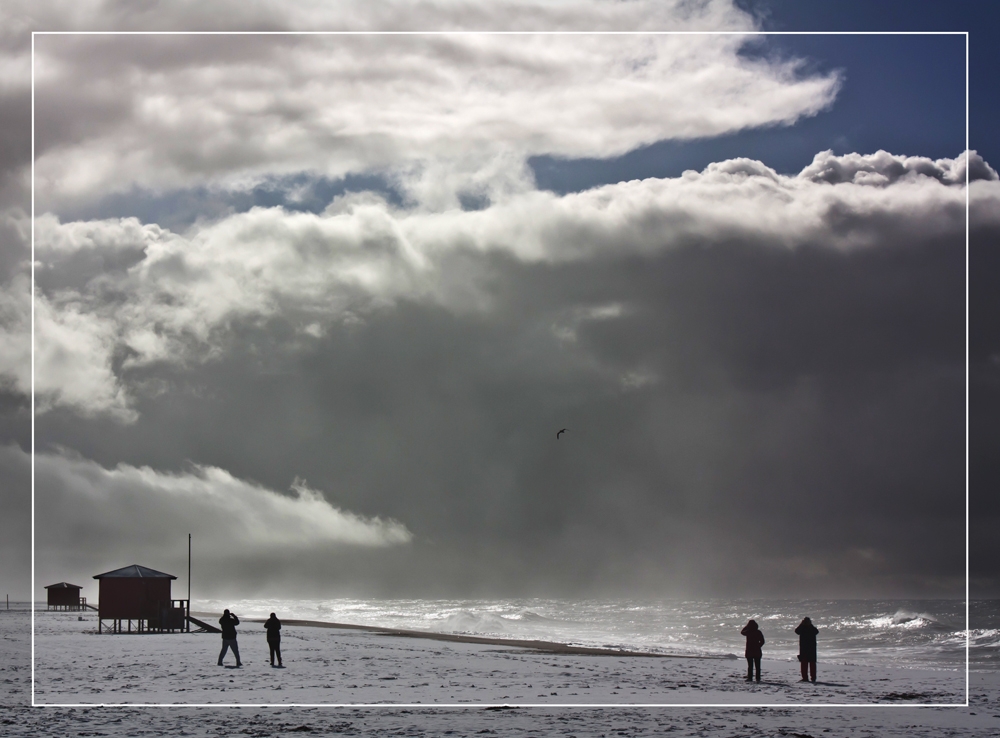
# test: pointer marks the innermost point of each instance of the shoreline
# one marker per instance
(347, 665)
(535, 645)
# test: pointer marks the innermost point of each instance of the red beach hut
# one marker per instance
(64, 596)
(141, 594)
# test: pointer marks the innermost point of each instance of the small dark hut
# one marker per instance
(64, 596)
(141, 594)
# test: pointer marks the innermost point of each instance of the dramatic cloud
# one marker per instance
(139, 515)
(117, 295)
(443, 115)
(732, 350)
(762, 373)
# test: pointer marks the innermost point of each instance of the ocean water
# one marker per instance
(925, 633)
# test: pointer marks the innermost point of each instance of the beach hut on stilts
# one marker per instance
(141, 596)
(64, 596)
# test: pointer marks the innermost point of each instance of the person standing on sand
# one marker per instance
(228, 623)
(755, 639)
(273, 628)
(807, 648)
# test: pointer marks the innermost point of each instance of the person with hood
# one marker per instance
(273, 628)
(228, 623)
(807, 648)
(755, 639)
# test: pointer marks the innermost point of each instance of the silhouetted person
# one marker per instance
(228, 623)
(807, 648)
(755, 639)
(273, 628)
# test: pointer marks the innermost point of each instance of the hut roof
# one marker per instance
(134, 572)
(63, 585)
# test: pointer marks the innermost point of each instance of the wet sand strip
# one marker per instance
(546, 646)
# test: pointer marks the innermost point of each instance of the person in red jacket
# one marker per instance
(755, 639)
(807, 648)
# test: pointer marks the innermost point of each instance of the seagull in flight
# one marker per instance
(560, 433)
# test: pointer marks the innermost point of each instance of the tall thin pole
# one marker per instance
(188, 623)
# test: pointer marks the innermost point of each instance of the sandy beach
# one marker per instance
(508, 688)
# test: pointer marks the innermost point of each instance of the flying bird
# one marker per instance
(560, 433)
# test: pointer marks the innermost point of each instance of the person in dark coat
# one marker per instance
(273, 628)
(755, 639)
(807, 648)
(228, 623)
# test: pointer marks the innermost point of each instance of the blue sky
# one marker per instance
(902, 94)
(981, 19)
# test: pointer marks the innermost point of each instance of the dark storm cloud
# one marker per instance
(788, 400)
(984, 407)
(448, 424)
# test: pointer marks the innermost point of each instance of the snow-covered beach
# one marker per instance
(74, 664)
(421, 686)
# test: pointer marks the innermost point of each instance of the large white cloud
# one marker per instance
(127, 514)
(440, 113)
(19, 18)
(176, 302)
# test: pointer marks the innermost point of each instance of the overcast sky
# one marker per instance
(324, 301)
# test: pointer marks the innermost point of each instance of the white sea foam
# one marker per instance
(854, 631)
